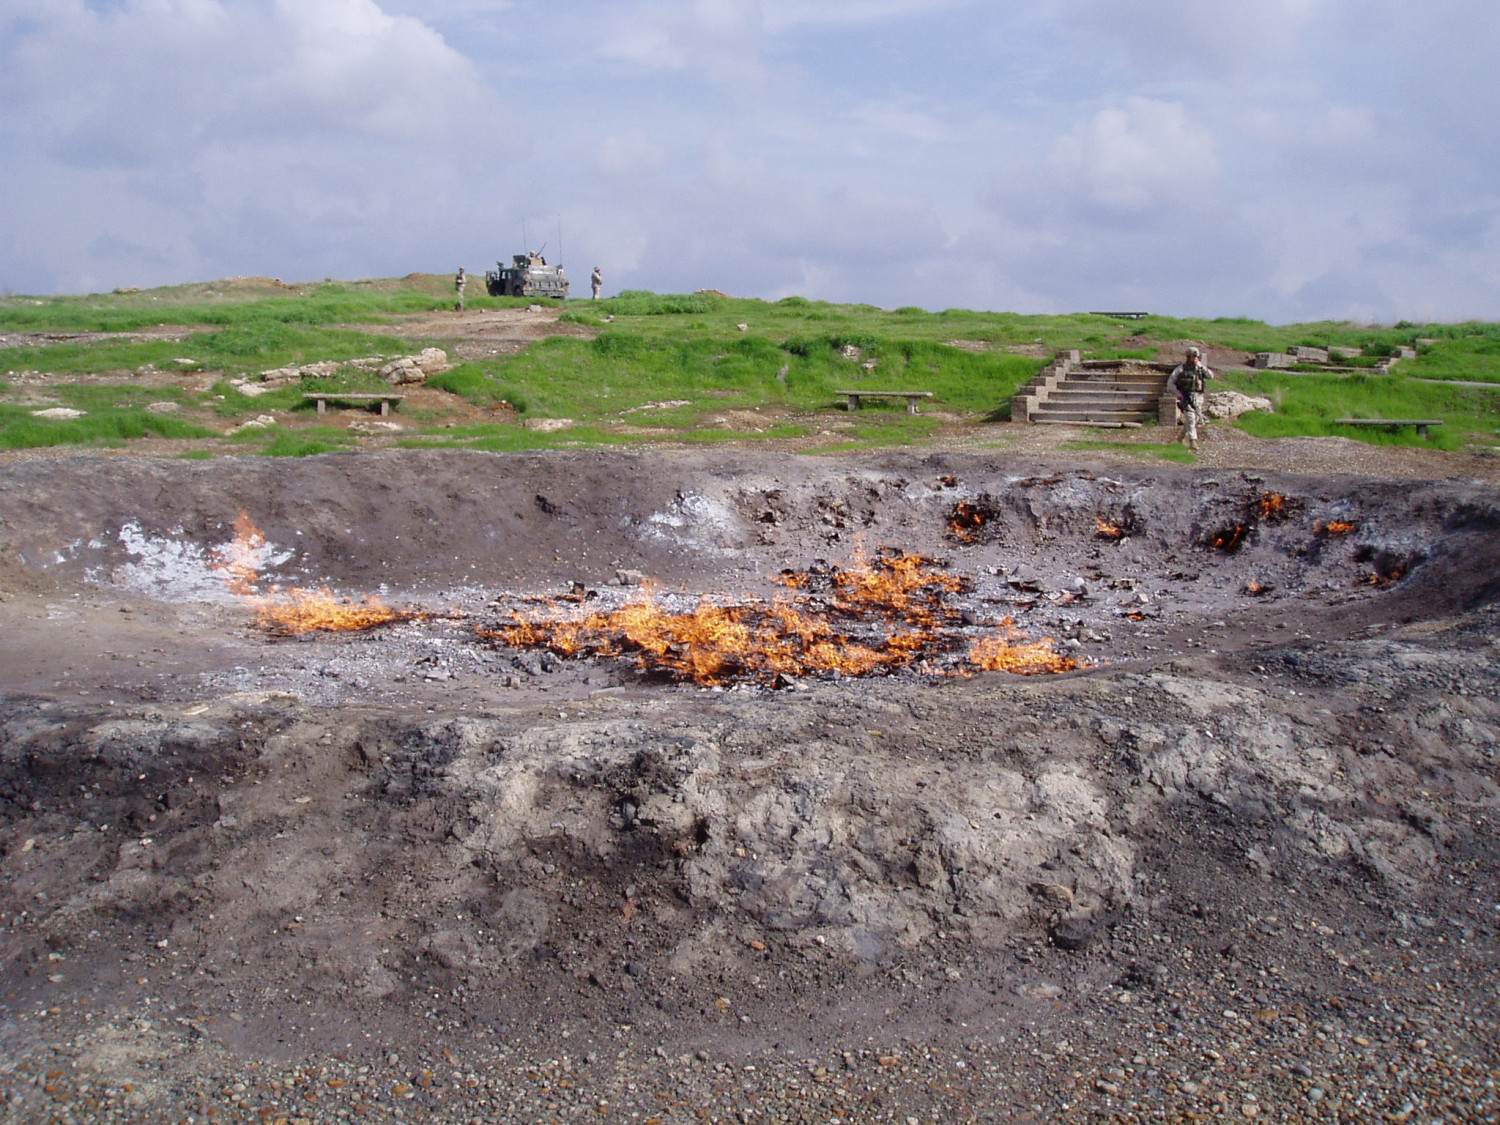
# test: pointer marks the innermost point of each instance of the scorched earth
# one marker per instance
(528, 843)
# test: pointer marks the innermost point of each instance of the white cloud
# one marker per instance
(785, 15)
(1281, 158)
(631, 153)
(1193, 36)
(721, 38)
(904, 122)
(222, 129)
(1136, 156)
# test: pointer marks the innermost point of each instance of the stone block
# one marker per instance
(1265, 360)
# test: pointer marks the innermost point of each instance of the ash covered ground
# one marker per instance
(1242, 862)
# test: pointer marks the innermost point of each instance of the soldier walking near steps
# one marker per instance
(1187, 380)
(460, 281)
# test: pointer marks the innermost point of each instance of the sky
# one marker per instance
(1287, 160)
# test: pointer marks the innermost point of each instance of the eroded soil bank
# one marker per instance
(1244, 862)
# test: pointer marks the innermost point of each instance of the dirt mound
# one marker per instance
(1248, 848)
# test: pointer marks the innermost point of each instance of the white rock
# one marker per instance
(1231, 404)
(433, 361)
(547, 425)
(163, 407)
(59, 413)
(253, 390)
(363, 427)
(259, 422)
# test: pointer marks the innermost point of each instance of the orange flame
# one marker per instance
(1013, 653)
(965, 521)
(239, 559)
(1334, 527)
(1106, 530)
(892, 608)
(1229, 539)
(293, 612)
(1272, 506)
(297, 612)
(1384, 577)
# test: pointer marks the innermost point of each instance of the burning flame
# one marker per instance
(1384, 577)
(870, 617)
(239, 560)
(1229, 539)
(965, 521)
(875, 616)
(1334, 527)
(296, 611)
(1013, 653)
(1272, 506)
(1255, 587)
(1107, 530)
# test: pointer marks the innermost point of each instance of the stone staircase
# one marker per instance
(1110, 393)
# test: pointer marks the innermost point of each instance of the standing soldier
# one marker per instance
(1187, 380)
(460, 280)
(596, 280)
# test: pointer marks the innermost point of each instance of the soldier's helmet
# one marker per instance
(1194, 352)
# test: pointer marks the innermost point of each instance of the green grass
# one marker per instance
(1306, 405)
(241, 349)
(277, 442)
(1471, 355)
(19, 429)
(789, 360)
(248, 303)
(621, 368)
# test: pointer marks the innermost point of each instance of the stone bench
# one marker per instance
(1391, 423)
(911, 397)
(323, 398)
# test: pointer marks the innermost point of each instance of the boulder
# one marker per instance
(547, 425)
(416, 368)
(59, 413)
(375, 427)
(259, 422)
(402, 371)
(433, 361)
(1231, 404)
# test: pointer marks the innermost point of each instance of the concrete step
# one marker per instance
(1096, 394)
(1122, 380)
(1122, 401)
(1103, 424)
(1092, 417)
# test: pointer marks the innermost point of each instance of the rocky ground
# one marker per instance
(1243, 863)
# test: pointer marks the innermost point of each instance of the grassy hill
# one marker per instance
(650, 367)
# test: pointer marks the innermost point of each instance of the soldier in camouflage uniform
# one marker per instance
(596, 279)
(1187, 380)
(460, 282)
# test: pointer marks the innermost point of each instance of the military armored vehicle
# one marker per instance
(528, 275)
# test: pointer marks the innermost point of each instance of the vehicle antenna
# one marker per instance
(559, 240)
(525, 245)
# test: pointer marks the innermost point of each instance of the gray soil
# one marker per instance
(1243, 863)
